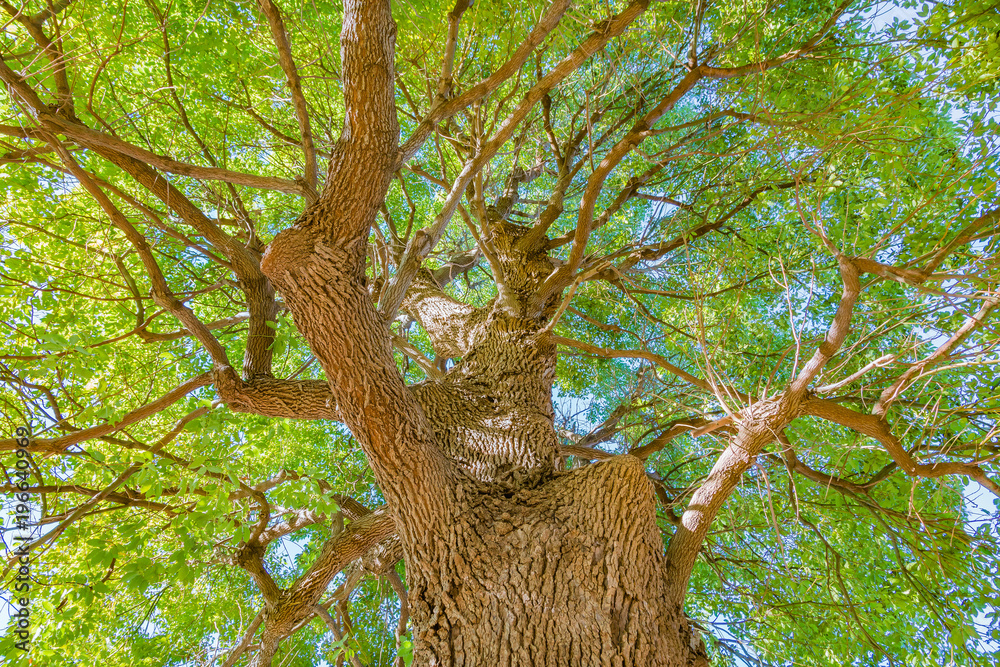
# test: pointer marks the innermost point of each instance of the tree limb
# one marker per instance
(875, 426)
(281, 41)
(58, 445)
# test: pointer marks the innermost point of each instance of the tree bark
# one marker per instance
(509, 561)
(568, 572)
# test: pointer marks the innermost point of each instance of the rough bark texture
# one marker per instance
(509, 561)
(535, 567)
(292, 399)
(492, 413)
(566, 572)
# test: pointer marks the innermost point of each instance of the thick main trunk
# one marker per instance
(509, 561)
(535, 566)
(568, 572)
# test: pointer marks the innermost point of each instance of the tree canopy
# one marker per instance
(740, 203)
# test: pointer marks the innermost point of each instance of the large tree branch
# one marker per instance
(449, 323)
(33, 24)
(756, 426)
(259, 291)
(90, 138)
(58, 445)
(291, 399)
(294, 605)
(261, 305)
(837, 331)
(281, 41)
(358, 538)
(763, 422)
(319, 266)
(875, 426)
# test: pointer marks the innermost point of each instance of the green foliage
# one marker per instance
(886, 136)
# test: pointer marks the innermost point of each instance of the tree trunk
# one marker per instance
(509, 561)
(566, 572)
(535, 566)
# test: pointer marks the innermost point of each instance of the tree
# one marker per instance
(757, 242)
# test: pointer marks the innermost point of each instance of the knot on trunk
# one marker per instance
(288, 251)
(249, 554)
(228, 384)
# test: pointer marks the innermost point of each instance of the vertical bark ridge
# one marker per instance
(527, 264)
(333, 310)
(492, 413)
(263, 310)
